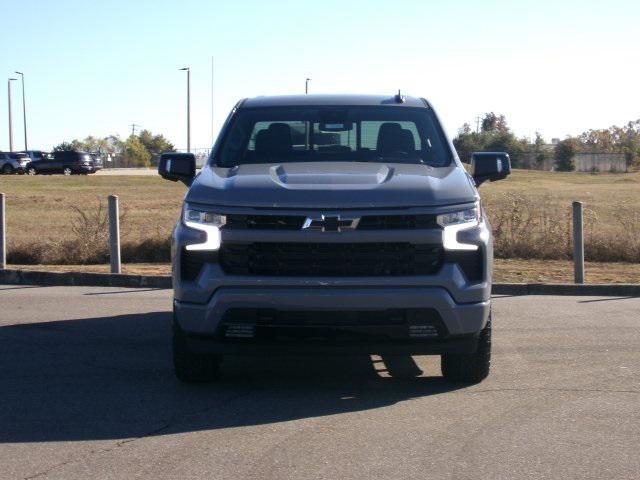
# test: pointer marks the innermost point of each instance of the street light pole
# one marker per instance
(212, 133)
(10, 122)
(188, 108)
(24, 111)
(306, 85)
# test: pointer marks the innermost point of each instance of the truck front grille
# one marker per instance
(330, 259)
(397, 222)
(295, 222)
(265, 222)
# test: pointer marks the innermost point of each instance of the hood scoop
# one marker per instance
(354, 175)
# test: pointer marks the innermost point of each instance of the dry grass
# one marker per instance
(61, 220)
(129, 268)
(531, 215)
(57, 219)
(561, 271)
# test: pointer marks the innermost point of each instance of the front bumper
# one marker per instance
(202, 302)
(461, 322)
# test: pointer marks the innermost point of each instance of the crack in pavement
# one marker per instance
(173, 420)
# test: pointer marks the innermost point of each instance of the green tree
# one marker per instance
(139, 152)
(614, 139)
(64, 147)
(468, 142)
(540, 154)
(564, 153)
(135, 154)
(494, 123)
(113, 145)
(155, 144)
(494, 136)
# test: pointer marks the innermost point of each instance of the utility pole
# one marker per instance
(24, 111)
(188, 107)
(212, 133)
(478, 124)
(10, 122)
(306, 86)
(133, 128)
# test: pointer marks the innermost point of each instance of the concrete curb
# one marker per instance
(81, 279)
(594, 290)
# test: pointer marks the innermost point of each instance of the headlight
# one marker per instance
(207, 222)
(454, 222)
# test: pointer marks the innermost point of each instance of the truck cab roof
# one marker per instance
(333, 100)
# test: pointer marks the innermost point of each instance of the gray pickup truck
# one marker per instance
(332, 224)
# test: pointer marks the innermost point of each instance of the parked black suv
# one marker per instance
(67, 163)
(35, 154)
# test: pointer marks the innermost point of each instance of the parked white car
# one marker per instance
(13, 162)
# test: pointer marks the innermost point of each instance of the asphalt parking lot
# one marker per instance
(87, 391)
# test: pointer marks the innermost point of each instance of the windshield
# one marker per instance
(334, 134)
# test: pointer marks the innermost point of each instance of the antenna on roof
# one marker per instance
(399, 97)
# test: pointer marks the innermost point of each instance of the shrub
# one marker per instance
(524, 228)
(564, 153)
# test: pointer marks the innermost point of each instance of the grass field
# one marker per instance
(531, 214)
(44, 222)
(57, 219)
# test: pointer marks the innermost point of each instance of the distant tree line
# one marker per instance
(140, 150)
(494, 135)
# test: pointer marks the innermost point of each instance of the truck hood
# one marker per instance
(329, 185)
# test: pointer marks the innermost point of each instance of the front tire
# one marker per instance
(31, 171)
(473, 367)
(192, 367)
(67, 171)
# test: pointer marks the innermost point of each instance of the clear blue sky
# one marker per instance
(94, 67)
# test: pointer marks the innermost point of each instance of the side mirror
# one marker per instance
(490, 166)
(178, 167)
